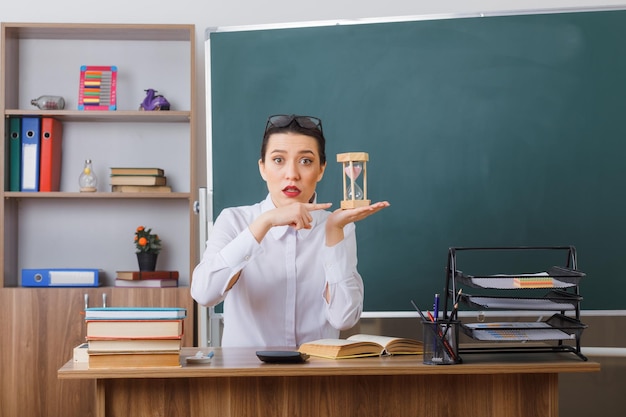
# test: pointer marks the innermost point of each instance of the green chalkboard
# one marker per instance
(486, 131)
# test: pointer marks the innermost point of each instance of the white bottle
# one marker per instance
(87, 181)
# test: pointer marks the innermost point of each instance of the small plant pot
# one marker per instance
(147, 261)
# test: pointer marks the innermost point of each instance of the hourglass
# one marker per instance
(354, 164)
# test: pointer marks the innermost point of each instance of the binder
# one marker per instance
(60, 277)
(15, 153)
(50, 157)
(31, 135)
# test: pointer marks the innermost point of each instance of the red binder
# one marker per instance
(50, 156)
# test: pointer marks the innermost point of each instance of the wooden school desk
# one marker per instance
(237, 384)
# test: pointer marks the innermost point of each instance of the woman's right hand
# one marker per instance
(296, 215)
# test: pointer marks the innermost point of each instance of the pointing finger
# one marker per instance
(317, 206)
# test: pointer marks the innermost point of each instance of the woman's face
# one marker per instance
(292, 168)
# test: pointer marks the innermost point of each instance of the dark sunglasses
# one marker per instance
(284, 120)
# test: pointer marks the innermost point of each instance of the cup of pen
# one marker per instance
(441, 345)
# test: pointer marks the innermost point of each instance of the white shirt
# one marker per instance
(278, 300)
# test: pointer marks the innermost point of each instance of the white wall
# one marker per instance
(237, 12)
(211, 13)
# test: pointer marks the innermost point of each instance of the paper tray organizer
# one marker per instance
(521, 292)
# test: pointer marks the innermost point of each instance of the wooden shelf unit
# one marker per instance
(41, 326)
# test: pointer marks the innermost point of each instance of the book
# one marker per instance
(133, 345)
(138, 275)
(361, 345)
(137, 171)
(141, 189)
(137, 180)
(134, 329)
(134, 360)
(147, 283)
(135, 313)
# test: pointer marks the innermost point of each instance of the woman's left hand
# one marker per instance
(339, 218)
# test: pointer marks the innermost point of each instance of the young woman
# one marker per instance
(286, 268)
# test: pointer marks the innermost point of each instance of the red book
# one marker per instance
(50, 156)
(139, 275)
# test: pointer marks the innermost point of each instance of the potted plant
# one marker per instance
(148, 246)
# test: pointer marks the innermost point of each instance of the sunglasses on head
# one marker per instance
(284, 120)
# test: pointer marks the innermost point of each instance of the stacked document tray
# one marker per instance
(554, 290)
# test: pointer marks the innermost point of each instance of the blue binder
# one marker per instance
(31, 148)
(60, 277)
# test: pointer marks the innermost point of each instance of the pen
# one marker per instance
(418, 310)
(436, 307)
(430, 316)
(454, 310)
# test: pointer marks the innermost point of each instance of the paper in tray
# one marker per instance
(555, 277)
(557, 327)
(553, 301)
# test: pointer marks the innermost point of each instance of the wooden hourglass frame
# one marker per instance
(354, 165)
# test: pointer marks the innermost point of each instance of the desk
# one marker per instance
(237, 384)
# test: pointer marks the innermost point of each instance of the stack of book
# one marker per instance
(146, 279)
(135, 337)
(139, 180)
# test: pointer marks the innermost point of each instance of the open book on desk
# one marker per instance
(361, 345)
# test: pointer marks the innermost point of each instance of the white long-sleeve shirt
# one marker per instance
(278, 300)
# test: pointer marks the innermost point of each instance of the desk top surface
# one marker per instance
(243, 362)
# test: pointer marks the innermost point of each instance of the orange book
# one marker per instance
(134, 360)
(50, 156)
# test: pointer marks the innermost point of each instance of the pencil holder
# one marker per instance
(441, 342)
